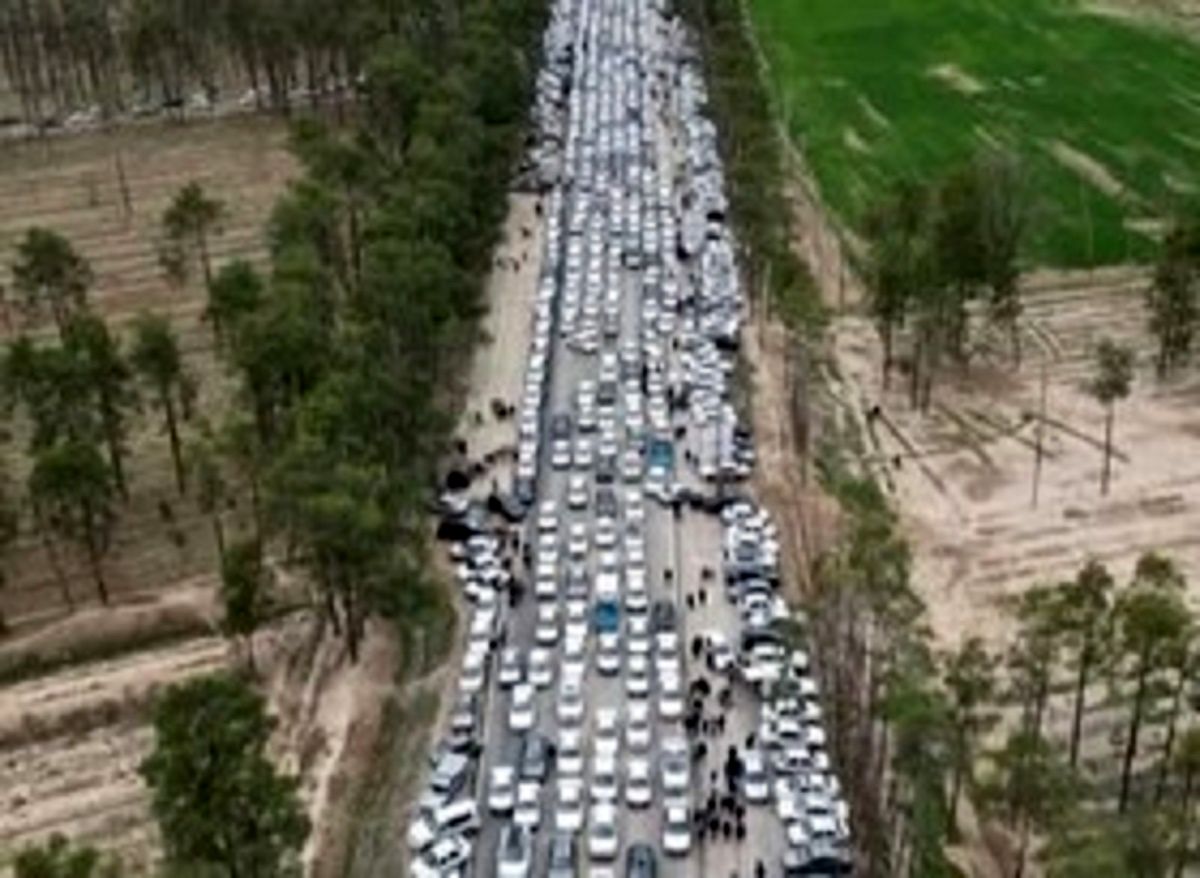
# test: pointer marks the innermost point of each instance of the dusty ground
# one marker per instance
(71, 738)
(1184, 14)
(965, 479)
(72, 185)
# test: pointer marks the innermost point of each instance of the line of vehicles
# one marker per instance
(568, 750)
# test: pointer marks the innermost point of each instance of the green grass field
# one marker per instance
(874, 90)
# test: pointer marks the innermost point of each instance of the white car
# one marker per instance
(521, 713)
(585, 456)
(606, 733)
(541, 667)
(606, 535)
(756, 780)
(577, 541)
(637, 676)
(675, 772)
(512, 669)
(546, 632)
(639, 784)
(569, 758)
(638, 729)
(570, 701)
(502, 790)
(670, 697)
(666, 645)
(608, 655)
(577, 493)
(560, 454)
(605, 783)
(528, 812)
(603, 839)
(677, 830)
(474, 671)
(447, 856)
(568, 812)
(548, 517)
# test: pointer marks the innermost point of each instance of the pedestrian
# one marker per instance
(703, 593)
(741, 832)
(760, 871)
(691, 602)
(727, 830)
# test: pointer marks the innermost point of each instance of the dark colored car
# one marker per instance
(560, 426)
(662, 616)
(564, 856)
(535, 758)
(640, 861)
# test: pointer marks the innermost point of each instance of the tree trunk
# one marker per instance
(92, 542)
(1106, 472)
(1085, 661)
(1185, 832)
(173, 434)
(960, 760)
(1022, 849)
(64, 584)
(219, 535)
(115, 458)
(1135, 725)
(1172, 724)
(887, 331)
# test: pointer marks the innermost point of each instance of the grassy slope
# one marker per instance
(1127, 97)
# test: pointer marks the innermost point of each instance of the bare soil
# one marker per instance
(73, 186)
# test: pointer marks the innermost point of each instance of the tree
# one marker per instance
(1085, 617)
(1114, 375)
(187, 223)
(58, 858)
(109, 381)
(1173, 299)
(1153, 621)
(219, 802)
(211, 489)
(896, 229)
(1186, 763)
(970, 681)
(49, 272)
(156, 357)
(71, 488)
(245, 585)
(235, 293)
(1038, 789)
(1004, 218)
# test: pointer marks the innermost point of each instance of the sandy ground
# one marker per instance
(965, 479)
(498, 368)
(72, 185)
(71, 741)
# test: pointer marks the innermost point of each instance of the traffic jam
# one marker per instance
(634, 696)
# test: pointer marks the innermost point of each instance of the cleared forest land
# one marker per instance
(1102, 111)
(72, 185)
(74, 686)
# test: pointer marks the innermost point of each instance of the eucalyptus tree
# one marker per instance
(188, 222)
(109, 382)
(1085, 617)
(245, 592)
(1153, 624)
(156, 357)
(72, 492)
(49, 273)
(1110, 384)
(970, 680)
(1173, 298)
